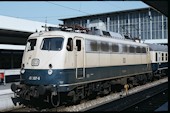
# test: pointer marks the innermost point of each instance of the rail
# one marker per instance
(131, 100)
(150, 103)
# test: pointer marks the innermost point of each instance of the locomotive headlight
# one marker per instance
(50, 71)
(35, 62)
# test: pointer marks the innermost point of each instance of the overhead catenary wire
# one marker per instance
(61, 16)
(68, 7)
(50, 17)
(46, 16)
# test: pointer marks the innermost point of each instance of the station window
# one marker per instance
(70, 44)
(10, 59)
(78, 44)
(115, 48)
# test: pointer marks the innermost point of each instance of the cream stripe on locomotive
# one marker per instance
(98, 60)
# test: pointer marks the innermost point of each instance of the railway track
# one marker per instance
(113, 102)
(150, 103)
(130, 102)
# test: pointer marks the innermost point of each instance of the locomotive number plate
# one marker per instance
(34, 78)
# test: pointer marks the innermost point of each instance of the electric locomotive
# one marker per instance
(60, 65)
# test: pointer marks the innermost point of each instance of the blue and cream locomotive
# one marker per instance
(68, 66)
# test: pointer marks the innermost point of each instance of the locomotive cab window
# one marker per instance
(54, 44)
(78, 44)
(31, 44)
(70, 44)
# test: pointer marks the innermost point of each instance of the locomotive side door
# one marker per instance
(79, 57)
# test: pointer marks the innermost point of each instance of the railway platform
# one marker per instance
(5, 97)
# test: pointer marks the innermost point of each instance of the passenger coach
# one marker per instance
(159, 59)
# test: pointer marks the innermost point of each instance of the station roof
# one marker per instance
(107, 13)
(156, 41)
(16, 30)
(22, 25)
(159, 5)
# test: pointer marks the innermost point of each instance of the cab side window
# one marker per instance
(78, 44)
(70, 44)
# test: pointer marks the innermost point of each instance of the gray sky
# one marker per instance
(54, 10)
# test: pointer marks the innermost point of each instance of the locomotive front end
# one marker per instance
(41, 69)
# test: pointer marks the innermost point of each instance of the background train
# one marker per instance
(159, 59)
(65, 66)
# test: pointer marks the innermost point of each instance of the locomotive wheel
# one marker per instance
(150, 77)
(93, 95)
(55, 99)
(73, 97)
(144, 79)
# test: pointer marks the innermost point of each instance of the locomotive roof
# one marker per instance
(156, 47)
(86, 36)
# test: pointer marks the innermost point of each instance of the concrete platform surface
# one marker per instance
(6, 94)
